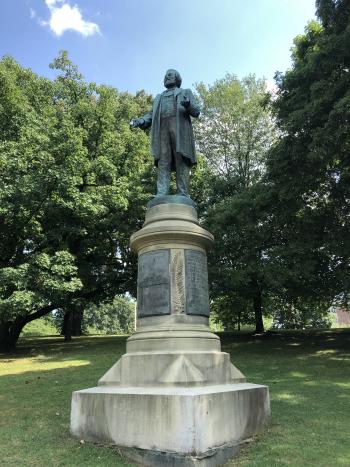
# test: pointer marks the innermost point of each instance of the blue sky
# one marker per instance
(129, 44)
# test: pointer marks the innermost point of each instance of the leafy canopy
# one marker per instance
(73, 185)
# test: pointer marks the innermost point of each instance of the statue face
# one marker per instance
(170, 79)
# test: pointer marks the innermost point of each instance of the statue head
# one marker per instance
(172, 78)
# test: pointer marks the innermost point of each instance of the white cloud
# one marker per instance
(50, 3)
(65, 17)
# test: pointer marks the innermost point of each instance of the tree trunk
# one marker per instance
(13, 334)
(77, 323)
(72, 324)
(67, 325)
(11, 330)
(257, 304)
(64, 323)
(5, 341)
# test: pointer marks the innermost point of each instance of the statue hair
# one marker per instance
(177, 77)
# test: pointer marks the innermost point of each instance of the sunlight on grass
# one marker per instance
(343, 385)
(326, 352)
(297, 374)
(288, 397)
(309, 386)
(309, 382)
(36, 385)
(340, 359)
(38, 363)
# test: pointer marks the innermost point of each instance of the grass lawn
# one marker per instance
(308, 375)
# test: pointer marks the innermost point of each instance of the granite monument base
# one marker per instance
(195, 425)
(173, 398)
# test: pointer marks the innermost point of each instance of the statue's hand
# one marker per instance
(185, 102)
(136, 122)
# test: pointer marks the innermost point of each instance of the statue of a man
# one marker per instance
(171, 133)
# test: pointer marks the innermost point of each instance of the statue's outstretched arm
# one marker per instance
(147, 120)
(143, 122)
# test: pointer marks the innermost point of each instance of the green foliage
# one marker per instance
(301, 314)
(40, 327)
(232, 311)
(113, 317)
(235, 131)
(309, 170)
(234, 135)
(69, 168)
(283, 236)
(33, 284)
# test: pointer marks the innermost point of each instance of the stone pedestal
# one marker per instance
(174, 397)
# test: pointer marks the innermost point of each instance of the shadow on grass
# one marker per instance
(34, 422)
(57, 349)
(308, 375)
(48, 354)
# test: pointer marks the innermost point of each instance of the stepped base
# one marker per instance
(172, 369)
(174, 398)
(187, 423)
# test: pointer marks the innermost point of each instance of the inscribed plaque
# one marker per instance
(153, 294)
(197, 296)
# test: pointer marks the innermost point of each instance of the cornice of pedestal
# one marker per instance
(171, 226)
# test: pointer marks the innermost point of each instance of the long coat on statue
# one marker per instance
(184, 131)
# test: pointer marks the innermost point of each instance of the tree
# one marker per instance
(231, 311)
(235, 131)
(309, 170)
(234, 134)
(300, 314)
(112, 317)
(70, 169)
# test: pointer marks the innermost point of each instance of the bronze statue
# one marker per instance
(171, 133)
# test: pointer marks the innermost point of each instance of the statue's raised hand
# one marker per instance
(185, 102)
